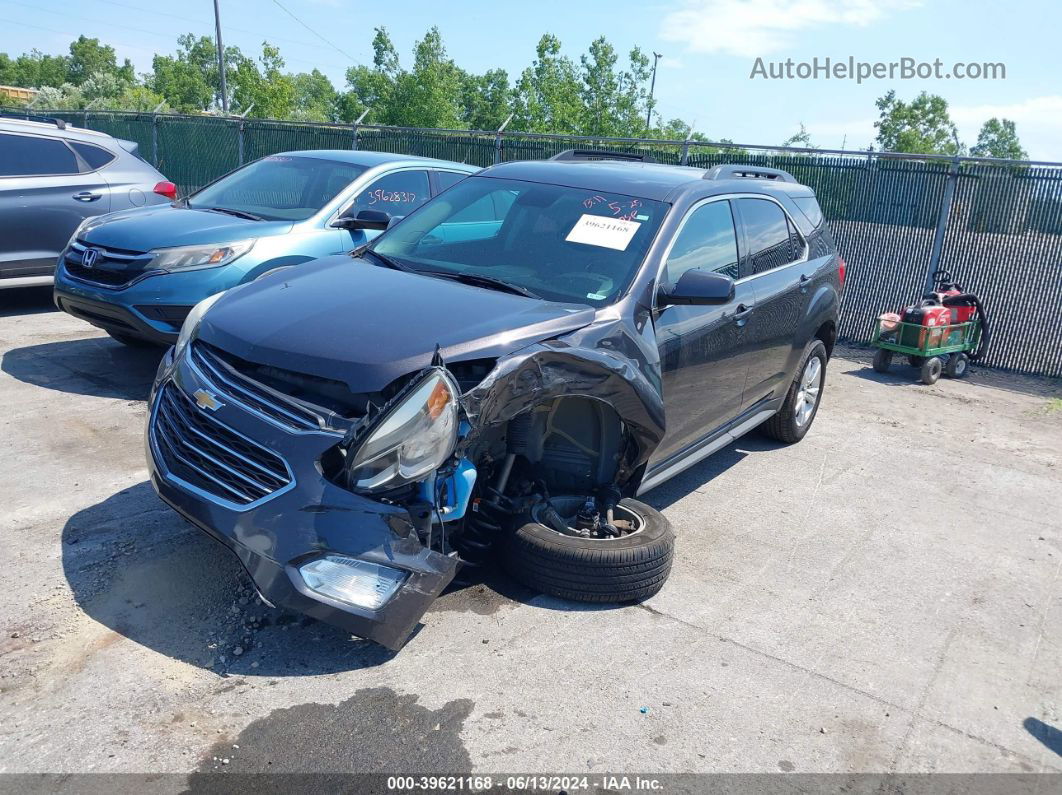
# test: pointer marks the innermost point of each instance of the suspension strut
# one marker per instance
(483, 524)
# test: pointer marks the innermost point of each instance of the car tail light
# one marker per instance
(167, 189)
(841, 266)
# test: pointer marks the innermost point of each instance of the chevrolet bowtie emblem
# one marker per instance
(206, 401)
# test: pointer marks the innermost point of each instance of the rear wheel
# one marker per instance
(130, 340)
(793, 420)
(931, 370)
(627, 568)
(882, 360)
(957, 366)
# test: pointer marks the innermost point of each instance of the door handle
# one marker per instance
(804, 279)
(87, 196)
(741, 314)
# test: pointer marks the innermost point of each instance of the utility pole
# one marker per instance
(221, 60)
(652, 86)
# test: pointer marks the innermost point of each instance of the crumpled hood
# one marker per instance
(349, 320)
(162, 225)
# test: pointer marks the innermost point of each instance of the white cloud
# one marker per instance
(1037, 120)
(752, 28)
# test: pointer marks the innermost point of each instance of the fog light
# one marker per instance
(356, 582)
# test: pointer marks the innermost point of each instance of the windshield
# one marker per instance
(278, 187)
(559, 243)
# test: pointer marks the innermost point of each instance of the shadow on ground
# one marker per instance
(1045, 733)
(26, 301)
(96, 366)
(139, 569)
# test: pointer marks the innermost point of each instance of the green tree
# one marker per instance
(999, 138)
(265, 93)
(315, 97)
(486, 100)
(372, 88)
(430, 94)
(34, 70)
(921, 126)
(548, 96)
(189, 81)
(88, 57)
(801, 138)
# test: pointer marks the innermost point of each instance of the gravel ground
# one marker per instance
(883, 597)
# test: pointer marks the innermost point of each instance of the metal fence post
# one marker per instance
(357, 122)
(155, 139)
(942, 222)
(498, 139)
(239, 143)
(685, 152)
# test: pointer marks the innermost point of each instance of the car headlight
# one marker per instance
(89, 223)
(412, 440)
(191, 323)
(186, 258)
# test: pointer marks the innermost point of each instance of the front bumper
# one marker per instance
(307, 518)
(151, 308)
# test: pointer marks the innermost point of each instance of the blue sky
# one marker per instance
(709, 49)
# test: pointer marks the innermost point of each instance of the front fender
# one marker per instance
(611, 362)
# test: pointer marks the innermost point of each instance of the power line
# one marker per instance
(167, 36)
(315, 33)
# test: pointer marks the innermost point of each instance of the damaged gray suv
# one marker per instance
(499, 374)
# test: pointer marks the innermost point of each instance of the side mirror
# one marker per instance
(364, 219)
(697, 288)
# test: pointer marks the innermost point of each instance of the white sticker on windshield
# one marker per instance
(594, 230)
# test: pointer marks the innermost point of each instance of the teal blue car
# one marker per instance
(137, 273)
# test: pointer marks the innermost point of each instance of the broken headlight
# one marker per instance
(412, 440)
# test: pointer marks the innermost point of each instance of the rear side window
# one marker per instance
(772, 241)
(706, 242)
(29, 156)
(95, 156)
(448, 179)
(810, 207)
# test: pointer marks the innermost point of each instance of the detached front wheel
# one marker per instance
(597, 568)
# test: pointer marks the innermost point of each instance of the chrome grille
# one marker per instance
(201, 451)
(252, 394)
(113, 267)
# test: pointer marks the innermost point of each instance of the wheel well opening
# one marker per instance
(572, 444)
(827, 332)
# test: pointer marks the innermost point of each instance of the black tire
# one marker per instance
(626, 569)
(784, 426)
(957, 366)
(916, 361)
(130, 341)
(882, 360)
(931, 370)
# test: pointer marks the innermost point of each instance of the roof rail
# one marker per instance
(31, 117)
(602, 154)
(738, 171)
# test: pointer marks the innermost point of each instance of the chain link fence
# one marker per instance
(995, 225)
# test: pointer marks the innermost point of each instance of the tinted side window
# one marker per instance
(25, 156)
(492, 207)
(95, 156)
(448, 179)
(770, 240)
(398, 194)
(707, 241)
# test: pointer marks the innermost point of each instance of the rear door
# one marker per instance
(775, 263)
(703, 349)
(43, 197)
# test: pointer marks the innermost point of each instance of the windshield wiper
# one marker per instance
(479, 280)
(230, 211)
(388, 262)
